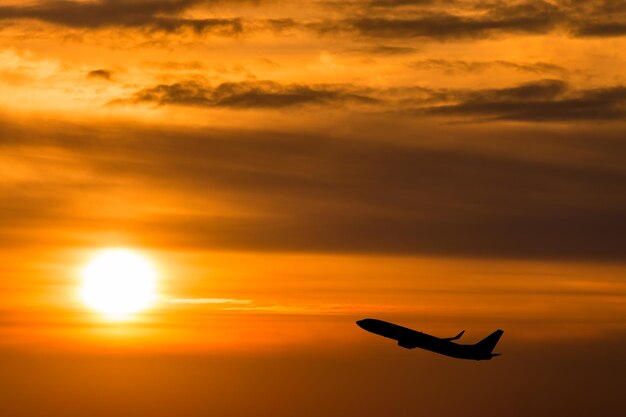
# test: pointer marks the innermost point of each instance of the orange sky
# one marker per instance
(291, 167)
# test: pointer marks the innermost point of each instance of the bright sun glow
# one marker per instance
(118, 283)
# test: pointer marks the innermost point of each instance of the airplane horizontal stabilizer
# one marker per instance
(458, 336)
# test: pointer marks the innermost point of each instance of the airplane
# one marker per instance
(410, 339)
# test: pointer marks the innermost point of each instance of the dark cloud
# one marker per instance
(389, 19)
(460, 66)
(246, 94)
(452, 20)
(601, 29)
(98, 13)
(532, 91)
(100, 74)
(447, 26)
(593, 8)
(312, 193)
(546, 100)
(280, 25)
(151, 14)
(596, 18)
(224, 27)
(384, 50)
(407, 3)
(535, 67)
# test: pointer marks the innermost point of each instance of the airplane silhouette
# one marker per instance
(410, 339)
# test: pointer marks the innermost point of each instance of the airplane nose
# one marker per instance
(361, 323)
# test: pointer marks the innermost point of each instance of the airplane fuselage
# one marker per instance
(410, 339)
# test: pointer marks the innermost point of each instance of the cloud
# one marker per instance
(535, 17)
(208, 301)
(152, 14)
(246, 94)
(311, 192)
(601, 29)
(460, 66)
(387, 19)
(536, 90)
(447, 26)
(100, 74)
(95, 14)
(539, 101)
(547, 100)
(453, 20)
(325, 309)
(402, 3)
(595, 18)
(384, 50)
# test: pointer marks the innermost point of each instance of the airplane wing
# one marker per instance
(407, 344)
(458, 336)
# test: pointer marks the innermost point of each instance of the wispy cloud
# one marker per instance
(537, 101)
(464, 20)
(440, 20)
(461, 66)
(328, 309)
(245, 94)
(314, 193)
(208, 301)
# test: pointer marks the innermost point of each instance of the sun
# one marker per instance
(118, 283)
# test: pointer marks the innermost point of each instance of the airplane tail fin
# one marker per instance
(488, 343)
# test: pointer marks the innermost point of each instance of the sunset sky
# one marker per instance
(289, 167)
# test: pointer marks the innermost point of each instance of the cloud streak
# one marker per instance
(535, 18)
(539, 101)
(455, 20)
(313, 193)
(163, 15)
(546, 100)
(245, 95)
(196, 301)
(460, 66)
(393, 19)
